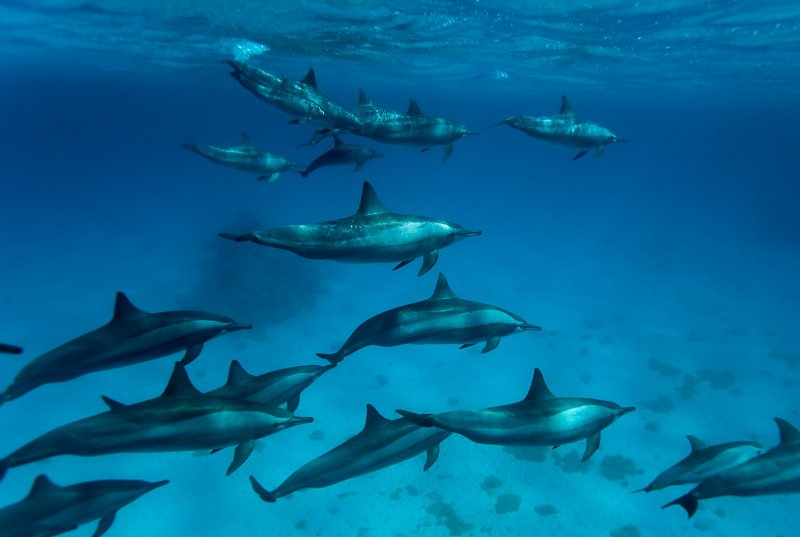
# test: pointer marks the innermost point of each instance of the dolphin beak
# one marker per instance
(470, 232)
(626, 410)
(157, 484)
(532, 327)
(297, 421)
(237, 326)
(470, 133)
(379, 156)
(622, 141)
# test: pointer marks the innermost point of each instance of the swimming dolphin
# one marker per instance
(180, 419)
(51, 510)
(343, 154)
(382, 443)
(415, 129)
(775, 472)
(705, 461)
(10, 349)
(541, 419)
(132, 336)
(565, 129)
(444, 318)
(271, 389)
(373, 235)
(246, 158)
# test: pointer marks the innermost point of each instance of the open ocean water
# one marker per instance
(664, 274)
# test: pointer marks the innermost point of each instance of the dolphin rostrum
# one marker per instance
(415, 129)
(373, 235)
(132, 336)
(541, 419)
(246, 158)
(775, 472)
(343, 154)
(705, 461)
(180, 419)
(382, 443)
(565, 129)
(51, 510)
(276, 388)
(444, 318)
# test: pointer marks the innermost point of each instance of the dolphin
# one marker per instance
(382, 443)
(541, 419)
(565, 129)
(444, 318)
(705, 461)
(415, 129)
(246, 158)
(343, 154)
(373, 235)
(775, 472)
(271, 389)
(51, 510)
(10, 349)
(132, 336)
(180, 419)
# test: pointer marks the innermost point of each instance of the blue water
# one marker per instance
(680, 248)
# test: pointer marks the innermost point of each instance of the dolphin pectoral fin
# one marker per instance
(358, 166)
(448, 150)
(300, 121)
(426, 149)
(191, 353)
(293, 403)
(111, 403)
(10, 349)
(491, 344)
(403, 264)
(423, 420)
(216, 450)
(104, 524)
(592, 443)
(599, 151)
(688, 502)
(243, 451)
(3, 468)
(428, 261)
(433, 455)
(579, 155)
(263, 493)
(271, 178)
(465, 345)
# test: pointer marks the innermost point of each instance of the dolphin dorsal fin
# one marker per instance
(179, 384)
(442, 290)
(374, 418)
(337, 141)
(42, 485)
(310, 79)
(246, 141)
(538, 390)
(363, 100)
(237, 374)
(566, 109)
(413, 109)
(124, 310)
(789, 434)
(696, 443)
(370, 204)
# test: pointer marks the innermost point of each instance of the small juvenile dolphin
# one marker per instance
(276, 388)
(444, 319)
(705, 461)
(373, 235)
(246, 158)
(343, 154)
(382, 443)
(540, 419)
(565, 129)
(132, 336)
(180, 419)
(415, 129)
(10, 349)
(775, 472)
(52, 510)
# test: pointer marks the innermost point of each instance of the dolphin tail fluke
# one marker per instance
(423, 420)
(263, 493)
(688, 502)
(334, 358)
(496, 124)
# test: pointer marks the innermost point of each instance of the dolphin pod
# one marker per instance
(132, 336)
(180, 419)
(51, 510)
(541, 419)
(373, 235)
(444, 318)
